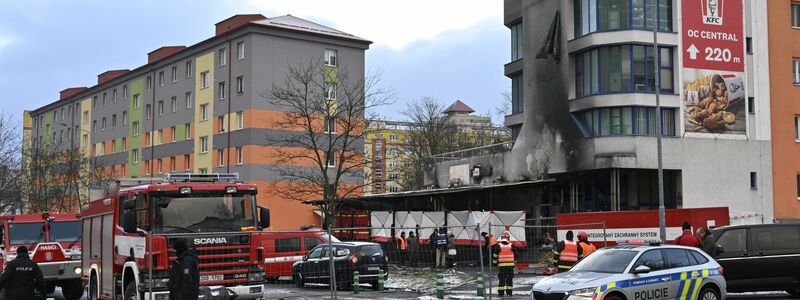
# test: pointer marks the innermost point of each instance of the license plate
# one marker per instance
(212, 277)
(374, 269)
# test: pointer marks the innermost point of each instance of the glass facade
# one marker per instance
(516, 41)
(625, 120)
(517, 98)
(621, 69)
(609, 15)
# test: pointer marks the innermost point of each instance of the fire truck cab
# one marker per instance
(54, 243)
(127, 232)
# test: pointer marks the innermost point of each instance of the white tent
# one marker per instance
(381, 221)
(430, 219)
(463, 226)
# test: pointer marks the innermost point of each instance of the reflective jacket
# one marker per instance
(503, 254)
(570, 252)
(588, 248)
(401, 243)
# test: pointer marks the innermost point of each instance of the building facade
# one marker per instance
(583, 79)
(784, 88)
(200, 108)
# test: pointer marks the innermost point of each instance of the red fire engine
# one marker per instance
(128, 231)
(54, 242)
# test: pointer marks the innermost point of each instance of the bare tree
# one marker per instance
(326, 111)
(503, 108)
(10, 165)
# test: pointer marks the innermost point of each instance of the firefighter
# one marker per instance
(503, 254)
(567, 252)
(586, 247)
(184, 275)
(21, 276)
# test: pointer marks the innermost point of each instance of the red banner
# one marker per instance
(713, 35)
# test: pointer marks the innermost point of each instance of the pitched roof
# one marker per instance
(295, 23)
(459, 106)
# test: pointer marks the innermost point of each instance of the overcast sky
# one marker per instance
(449, 50)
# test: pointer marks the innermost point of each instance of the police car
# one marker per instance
(637, 272)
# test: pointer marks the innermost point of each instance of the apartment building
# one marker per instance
(784, 88)
(584, 116)
(200, 108)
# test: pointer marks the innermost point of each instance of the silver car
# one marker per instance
(637, 272)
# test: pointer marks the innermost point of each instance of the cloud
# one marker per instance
(5, 41)
(395, 24)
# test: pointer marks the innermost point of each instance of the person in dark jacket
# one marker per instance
(688, 238)
(21, 276)
(184, 275)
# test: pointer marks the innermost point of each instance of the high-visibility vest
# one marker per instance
(588, 248)
(570, 252)
(401, 243)
(506, 256)
(492, 240)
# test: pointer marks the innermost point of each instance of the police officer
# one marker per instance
(503, 257)
(21, 276)
(586, 247)
(184, 275)
(568, 252)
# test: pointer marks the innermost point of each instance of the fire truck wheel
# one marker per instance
(72, 290)
(130, 292)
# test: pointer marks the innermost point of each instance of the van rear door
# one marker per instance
(774, 248)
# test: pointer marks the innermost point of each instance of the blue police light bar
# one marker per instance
(190, 177)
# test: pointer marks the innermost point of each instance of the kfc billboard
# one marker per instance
(712, 47)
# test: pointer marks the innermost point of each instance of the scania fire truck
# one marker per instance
(54, 242)
(127, 232)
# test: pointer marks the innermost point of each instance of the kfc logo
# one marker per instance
(712, 12)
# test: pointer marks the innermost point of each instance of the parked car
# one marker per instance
(760, 257)
(365, 257)
(283, 248)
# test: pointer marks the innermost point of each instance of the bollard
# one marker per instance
(356, 285)
(440, 286)
(481, 290)
(380, 283)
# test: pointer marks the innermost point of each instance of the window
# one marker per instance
(103, 124)
(124, 92)
(240, 120)
(776, 238)
(174, 103)
(330, 57)
(204, 144)
(172, 164)
(160, 107)
(161, 78)
(135, 128)
(188, 69)
(160, 165)
(160, 137)
(287, 245)
(609, 15)
(239, 85)
(330, 125)
(187, 128)
(174, 73)
(240, 49)
(149, 83)
(135, 154)
(221, 122)
(316, 254)
(753, 181)
(393, 138)
(330, 159)
(187, 162)
(698, 258)
(94, 126)
(147, 111)
(797, 128)
(223, 57)
(624, 68)
(137, 103)
(124, 117)
(652, 259)
(240, 157)
(114, 95)
(796, 70)
(221, 90)
(625, 121)
(330, 91)
(748, 45)
(311, 242)
(677, 258)
(114, 121)
(751, 105)
(62, 114)
(125, 144)
(94, 104)
(733, 240)
(797, 181)
(188, 100)
(85, 117)
(221, 155)
(204, 80)
(517, 99)
(516, 41)
(796, 15)
(172, 130)
(204, 112)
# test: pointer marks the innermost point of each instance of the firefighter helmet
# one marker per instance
(583, 236)
(505, 236)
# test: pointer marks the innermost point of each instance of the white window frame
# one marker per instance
(160, 107)
(240, 120)
(331, 53)
(137, 101)
(114, 95)
(204, 112)
(148, 110)
(188, 127)
(135, 154)
(330, 91)
(221, 119)
(114, 121)
(329, 125)
(223, 57)
(239, 155)
(796, 70)
(221, 154)
(204, 144)
(330, 162)
(136, 129)
(125, 91)
(204, 80)
(174, 132)
(240, 50)
(240, 84)
(221, 88)
(188, 69)
(794, 13)
(175, 73)
(188, 100)
(174, 103)
(797, 128)
(161, 78)
(124, 117)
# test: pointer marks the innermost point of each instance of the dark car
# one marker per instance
(761, 257)
(366, 258)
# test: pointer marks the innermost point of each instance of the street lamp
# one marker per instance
(662, 219)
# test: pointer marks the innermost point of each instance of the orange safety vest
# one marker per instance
(570, 252)
(506, 256)
(401, 242)
(588, 248)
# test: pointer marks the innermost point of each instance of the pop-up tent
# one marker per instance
(463, 225)
(513, 221)
(381, 221)
(430, 220)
